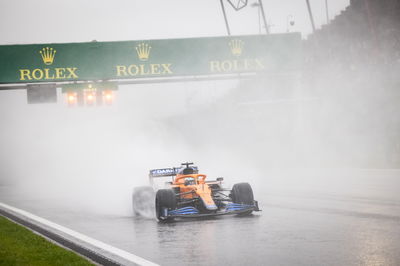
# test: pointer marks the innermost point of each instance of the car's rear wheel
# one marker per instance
(165, 201)
(242, 193)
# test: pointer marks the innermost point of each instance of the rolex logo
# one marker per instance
(236, 47)
(143, 51)
(48, 55)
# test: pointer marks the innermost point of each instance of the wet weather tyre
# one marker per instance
(242, 193)
(165, 200)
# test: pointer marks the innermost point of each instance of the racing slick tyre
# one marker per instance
(165, 200)
(242, 193)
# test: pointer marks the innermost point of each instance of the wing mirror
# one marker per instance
(219, 179)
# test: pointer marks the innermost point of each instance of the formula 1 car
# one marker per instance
(191, 195)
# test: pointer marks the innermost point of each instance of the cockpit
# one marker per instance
(190, 181)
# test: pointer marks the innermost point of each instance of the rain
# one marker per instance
(319, 143)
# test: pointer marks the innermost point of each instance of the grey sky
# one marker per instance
(44, 21)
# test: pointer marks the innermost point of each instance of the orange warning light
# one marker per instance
(72, 98)
(108, 96)
(90, 98)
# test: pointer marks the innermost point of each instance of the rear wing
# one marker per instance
(166, 171)
(163, 172)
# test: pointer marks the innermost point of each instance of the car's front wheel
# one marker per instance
(242, 193)
(165, 201)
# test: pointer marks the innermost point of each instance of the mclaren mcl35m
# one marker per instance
(190, 194)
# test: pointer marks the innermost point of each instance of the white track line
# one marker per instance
(119, 252)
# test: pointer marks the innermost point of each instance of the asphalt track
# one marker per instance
(348, 220)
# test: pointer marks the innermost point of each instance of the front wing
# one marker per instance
(192, 212)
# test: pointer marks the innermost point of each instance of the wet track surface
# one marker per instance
(350, 221)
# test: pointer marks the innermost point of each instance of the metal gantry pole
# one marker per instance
(226, 20)
(327, 11)
(263, 15)
(311, 15)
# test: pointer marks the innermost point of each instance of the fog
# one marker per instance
(282, 139)
(282, 134)
(93, 157)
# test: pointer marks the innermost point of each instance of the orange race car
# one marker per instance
(191, 195)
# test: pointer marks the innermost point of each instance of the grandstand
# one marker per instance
(367, 31)
(352, 65)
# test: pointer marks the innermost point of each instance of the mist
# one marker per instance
(303, 132)
(93, 157)
(272, 132)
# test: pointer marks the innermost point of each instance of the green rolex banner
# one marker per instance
(59, 62)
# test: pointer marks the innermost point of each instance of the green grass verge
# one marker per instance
(21, 247)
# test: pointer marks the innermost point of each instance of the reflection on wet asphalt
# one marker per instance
(296, 227)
